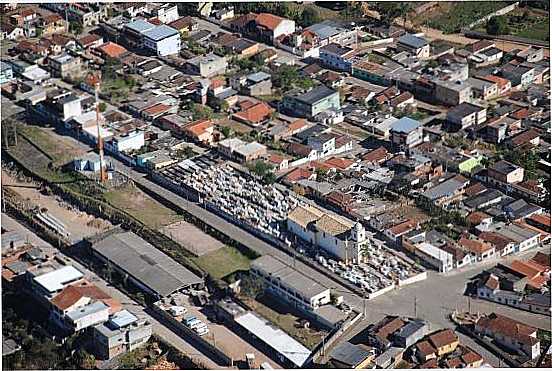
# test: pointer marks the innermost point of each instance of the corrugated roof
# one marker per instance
(160, 32)
(56, 280)
(405, 125)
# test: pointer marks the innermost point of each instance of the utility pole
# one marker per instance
(95, 80)
(415, 307)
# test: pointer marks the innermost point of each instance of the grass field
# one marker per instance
(279, 314)
(450, 17)
(142, 207)
(61, 150)
(223, 262)
(526, 22)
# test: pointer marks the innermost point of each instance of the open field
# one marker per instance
(222, 262)
(192, 238)
(279, 314)
(450, 17)
(526, 22)
(141, 206)
(60, 149)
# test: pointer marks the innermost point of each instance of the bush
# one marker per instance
(498, 26)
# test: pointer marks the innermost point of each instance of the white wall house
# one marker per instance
(124, 143)
(339, 237)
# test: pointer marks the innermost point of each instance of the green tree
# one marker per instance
(102, 106)
(497, 26)
(226, 131)
(75, 27)
(252, 286)
(310, 16)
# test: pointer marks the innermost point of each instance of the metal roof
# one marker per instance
(444, 189)
(145, 263)
(350, 354)
(412, 41)
(139, 26)
(122, 318)
(405, 125)
(160, 32)
(316, 94)
(278, 340)
(87, 310)
(56, 280)
(258, 76)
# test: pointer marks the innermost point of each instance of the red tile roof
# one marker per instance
(425, 348)
(474, 245)
(268, 21)
(471, 357)
(403, 227)
(542, 259)
(73, 293)
(256, 113)
(477, 217)
(298, 174)
(297, 124)
(339, 163)
(443, 338)
(501, 82)
(495, 239)
(508, 327)
(543, 219)
(198, 127)
(377, 155)
(157, 108)
(112, 50)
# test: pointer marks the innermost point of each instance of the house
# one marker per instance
(164, 12)
(264, 26)
(11, 31)
(162, 40)
(510, 333)
(184, 25)
(329, 32)
(338, 236)
(527, 138)
(311, 103)
(523, 238)
(376, 156)
(346, 355)
(255, 114)
(65, 66)
(126, 142)
(279, 162)
(503, 85)
(519, 75)
(504, 173)
(241, 151)
(88, 14)
(466, 115)
(289, 284)
(444, 341)
(452, 93)
(207, 66)
(424, 351)
(242, 48)
(483, 89)
(6, 72)
(90, 41)
(200, 131)
(52, 23)
(396, 230)
(337, 57)
(448, 191)
(477, 248)
(122, 333)
(417, 46)
(111, 50)
(406, 133)
(254, 85)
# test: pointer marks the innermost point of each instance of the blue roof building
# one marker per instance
(406, 133)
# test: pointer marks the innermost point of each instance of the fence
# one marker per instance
(505, 10)
(513, 39)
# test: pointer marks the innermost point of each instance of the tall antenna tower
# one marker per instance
(95, 81)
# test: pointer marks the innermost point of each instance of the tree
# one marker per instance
(226, 131)
(252, 286)
(309, 17)
(75, 27)
(102, 106)
(497, 26)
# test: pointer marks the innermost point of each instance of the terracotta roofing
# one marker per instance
(432, 363)
(155, 21)
(377, 155)
(497, 240)
(312, 69)
(477, 217)
(492, 282)
(88, 39)
(255, 113)
(474, 245)
(390, 327)
(198, 127)
(157, 109)
(525, 137)
(525, 268)
(182, 23)
(299, 149)
(402, 228)
(303, 215)
(333, 225)
(51, 18)
(298, 174)
(471, 357)
(339, 198)
(425, 348)
(480, 45)
(475, 189)
(217, 83)
(508, 327)
(112, 50)
(443, 338)
(276, 159)
(26, 12)
(501, 82)
(268, 21)
(542, 259)
(455, 362)
(73, 293)
(339, 163)
(297, 124)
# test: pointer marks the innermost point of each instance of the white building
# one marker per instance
(436, 257)
(334, 234)
(127, 142)
(51, 283)
(162, 40)
(289, 284)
